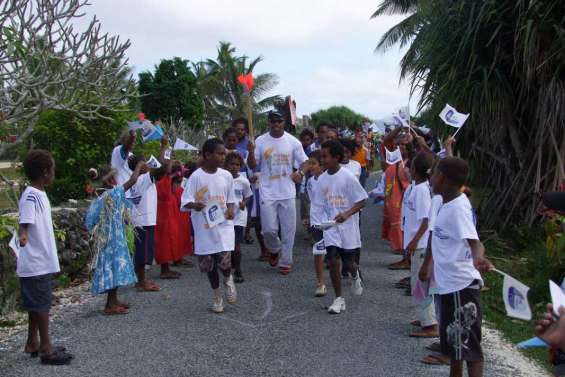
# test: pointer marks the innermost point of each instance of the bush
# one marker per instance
(76, 145)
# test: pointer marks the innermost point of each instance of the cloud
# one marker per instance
(322, 50)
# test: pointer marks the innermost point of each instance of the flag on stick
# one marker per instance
(181, 145)
(452, 117)
(557, 297)
(515, 296)
(393, 157)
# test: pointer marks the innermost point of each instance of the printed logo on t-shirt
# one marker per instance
(201, 194)
(238, 193)
(439, 233)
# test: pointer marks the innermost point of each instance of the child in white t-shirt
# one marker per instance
(457, 256)
(416, 208)
(349, 148)
(243, 195)
(316, 215)
(343, 199)
(37, 257)
(209, 194)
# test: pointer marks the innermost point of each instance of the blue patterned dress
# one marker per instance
(113, 265)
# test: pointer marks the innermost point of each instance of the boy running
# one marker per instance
(343, 199)
(213, 244)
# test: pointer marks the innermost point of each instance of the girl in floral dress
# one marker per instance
(106, 220)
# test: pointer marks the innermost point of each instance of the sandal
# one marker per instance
(34, 354)
(148, 287)
(169, 275)
(56, 358)
(424, 334)
(436, 360)
(124, 304)
(116, 310)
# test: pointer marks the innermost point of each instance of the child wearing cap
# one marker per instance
(457, 256)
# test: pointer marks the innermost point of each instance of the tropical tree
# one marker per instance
(340, 116)
(224, 96)
(171, 93)
(504, 62)
(46, 64)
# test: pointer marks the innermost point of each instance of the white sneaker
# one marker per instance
(321, 291)
(357, 286)
(231, 293)
(218, 305)
(338, 306)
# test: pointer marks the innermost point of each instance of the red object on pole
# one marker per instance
(247, 81)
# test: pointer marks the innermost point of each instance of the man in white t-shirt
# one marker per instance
(120, 156)
(457, 256)
(276, 154)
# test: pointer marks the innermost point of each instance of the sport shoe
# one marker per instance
(338, 306)
(321, 291)
(231, 293)
(218, 305)
(357, 286)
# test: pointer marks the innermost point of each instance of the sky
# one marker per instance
(321, 50)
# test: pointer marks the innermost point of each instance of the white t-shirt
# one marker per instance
(340, 192)
(39, 255)
(120, 163)
(453, 259)
(437, 202)
(201, 188)
(354, 167)
(144, 196)
(276, 158)
(416, 207)
(242, 191)
(316, 201)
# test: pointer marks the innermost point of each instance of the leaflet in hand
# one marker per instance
(214, 214)
(327, 224)
(153, 163)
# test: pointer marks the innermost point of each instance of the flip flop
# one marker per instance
(169, 276)
(148, 287)
(435, 360)
(116, 310)
(424, 334)
(34, 354)
(56, 358)
(124, 304)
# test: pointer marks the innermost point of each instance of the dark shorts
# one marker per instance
(239, 230)
(317, 233)
(345, 255)
(144, 245)
(460, 324)
(221, 260)
(37, 293)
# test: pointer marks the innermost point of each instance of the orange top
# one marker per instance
(361, 156)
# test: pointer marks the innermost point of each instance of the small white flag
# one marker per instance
(400, 121)
(15, 245)
(557, 297)
(515, 295)
(393, 157)
(452, 117)
(153, 163)
(181, 145)
(139, 124)
(319, 248)
(167, 155)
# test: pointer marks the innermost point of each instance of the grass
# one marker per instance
(525, 259)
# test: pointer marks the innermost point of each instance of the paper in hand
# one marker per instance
(153, 163)
(214, 214)
(393, 157)
(319, 248)
(327, 224)
(557, 297)
(167, 155)
(15, 245)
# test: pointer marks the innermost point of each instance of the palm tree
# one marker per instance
(504, 62)
(223, 95)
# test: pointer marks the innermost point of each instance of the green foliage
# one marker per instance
(9, 286)
(76, 145)
(504, 63)
(224, 97)
(339, 116)
(171, 93)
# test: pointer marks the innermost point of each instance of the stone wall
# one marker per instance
(74, 249)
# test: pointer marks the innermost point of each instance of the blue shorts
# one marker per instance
(37, 293)
(144, 245)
